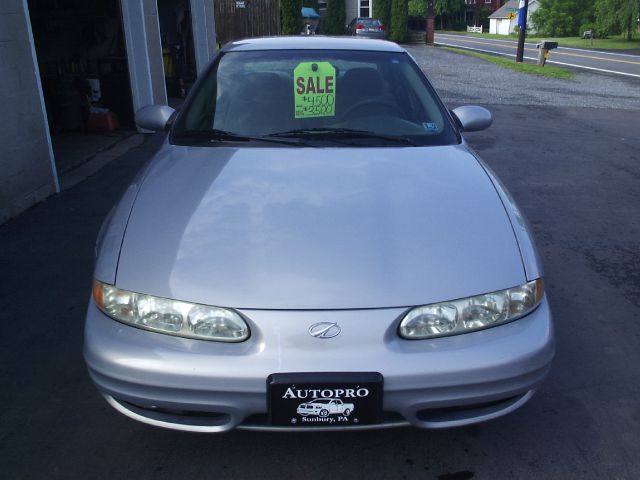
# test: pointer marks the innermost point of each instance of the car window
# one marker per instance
(262, 93)
(370, 22)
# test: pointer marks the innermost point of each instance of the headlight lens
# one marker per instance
(471, 314)
(170, 316)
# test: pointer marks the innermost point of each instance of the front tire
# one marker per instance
(324, 412)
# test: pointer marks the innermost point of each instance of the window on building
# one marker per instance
(365, 8)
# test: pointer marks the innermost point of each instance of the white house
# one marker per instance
(504, 20)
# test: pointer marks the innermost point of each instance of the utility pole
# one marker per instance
(431, 24)
(522, 23)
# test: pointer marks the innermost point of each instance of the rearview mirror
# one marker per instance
(153, 117)
(473, 118)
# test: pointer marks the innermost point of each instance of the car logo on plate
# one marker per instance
(325, 330)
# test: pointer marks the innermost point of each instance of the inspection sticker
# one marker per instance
(314, 90)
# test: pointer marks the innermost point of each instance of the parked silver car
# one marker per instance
(364, 27)
(315, 227)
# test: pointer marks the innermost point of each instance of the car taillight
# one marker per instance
(381, 27)
(359, 26)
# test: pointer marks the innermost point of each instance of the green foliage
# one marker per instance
(399, 16)
(528, 68)
(441, 8)
(334, 20)
(382, 11)
(562, 18)
(447, 7)
(417, 8)
(571, 17)
(291, 17)
(616, 16)
(482, 14)
(311, 4)
(586, 26)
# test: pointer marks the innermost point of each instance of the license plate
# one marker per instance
(324, 399)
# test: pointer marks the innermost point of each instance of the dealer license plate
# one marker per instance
(324, 399)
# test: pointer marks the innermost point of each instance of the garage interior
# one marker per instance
(85, 80)
(178, 54)
(82, 57)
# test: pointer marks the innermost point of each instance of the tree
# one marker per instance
(399, 17)
(335, 17)
(311, 4)
(291, 17)
(447, 8)
(616, 16)
(562, 18)
(382, 11)
(441, 8)
(417, 8)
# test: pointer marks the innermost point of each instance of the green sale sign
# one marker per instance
(314, 90)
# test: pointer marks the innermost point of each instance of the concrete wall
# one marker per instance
(26, 161)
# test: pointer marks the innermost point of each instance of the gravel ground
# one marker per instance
(461, 79)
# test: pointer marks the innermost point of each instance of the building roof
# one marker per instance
(312, 42)
(503, 12)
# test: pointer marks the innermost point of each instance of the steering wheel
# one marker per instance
(369, 102)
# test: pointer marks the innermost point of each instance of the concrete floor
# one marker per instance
(75, 148)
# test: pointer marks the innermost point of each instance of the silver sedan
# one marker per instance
(363, 27)
(314, 246)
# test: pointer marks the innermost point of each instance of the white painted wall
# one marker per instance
(501, 26)
(204, 32)
(27, 169)
(144, 52)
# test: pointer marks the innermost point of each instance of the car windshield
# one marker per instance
(344, 97)
(369, 22)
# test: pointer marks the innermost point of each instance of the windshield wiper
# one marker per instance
(216, 135)
(330, 132)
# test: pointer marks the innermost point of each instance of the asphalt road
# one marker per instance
(608, 62)
(575, 174)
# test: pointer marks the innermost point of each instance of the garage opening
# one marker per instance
(85, 80)
(178, 53)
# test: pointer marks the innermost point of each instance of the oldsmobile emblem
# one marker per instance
(325, 330)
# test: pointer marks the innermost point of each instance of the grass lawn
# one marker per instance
(613, 43)
(548, 71)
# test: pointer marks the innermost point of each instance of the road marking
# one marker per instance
(601, 53)
(463, 38)
(535, 59)
(597, 58)
(635, 75)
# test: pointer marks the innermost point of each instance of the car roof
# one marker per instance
(312, 42)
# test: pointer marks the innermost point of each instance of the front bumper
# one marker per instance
(206, 386)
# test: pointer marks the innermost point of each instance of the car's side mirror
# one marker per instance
(473, 118)
(154, 117)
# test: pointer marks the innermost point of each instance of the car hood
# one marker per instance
(304, 228)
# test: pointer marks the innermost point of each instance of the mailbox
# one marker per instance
(543, 52)
(545, 45)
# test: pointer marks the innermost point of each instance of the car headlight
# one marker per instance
(172, 317)
(471, 314)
